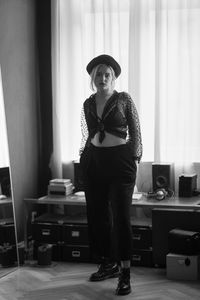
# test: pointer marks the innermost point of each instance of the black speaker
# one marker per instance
(78, 177)
(163, 176)
(187, 185)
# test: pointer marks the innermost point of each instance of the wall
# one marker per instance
(18, 59)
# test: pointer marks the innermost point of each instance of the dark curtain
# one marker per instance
(43, 31)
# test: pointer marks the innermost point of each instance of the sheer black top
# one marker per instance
(119, 118)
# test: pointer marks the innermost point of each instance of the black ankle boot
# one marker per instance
(106, 270)
(124, 286)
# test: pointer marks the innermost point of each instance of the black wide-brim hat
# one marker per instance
(105, 60)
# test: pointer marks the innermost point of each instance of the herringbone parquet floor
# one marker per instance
(69, 281)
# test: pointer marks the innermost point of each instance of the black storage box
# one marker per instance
(67, 234)
(141, 237)
(48, 228)
(76, 241)
(8, 255)
(75, 230)
(75, 234)
(78, 253)
(184, 241)
(7, 232)
(142, 257)
(47, 232)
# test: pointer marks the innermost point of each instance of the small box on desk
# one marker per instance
(183, 267)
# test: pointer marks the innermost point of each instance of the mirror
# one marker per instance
(8, 239)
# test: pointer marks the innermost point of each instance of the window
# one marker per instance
(157, 44)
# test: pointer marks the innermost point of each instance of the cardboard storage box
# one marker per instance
(183, 267)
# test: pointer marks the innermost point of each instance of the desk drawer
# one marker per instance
(141, 237)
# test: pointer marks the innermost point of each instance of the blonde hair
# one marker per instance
(94, 72)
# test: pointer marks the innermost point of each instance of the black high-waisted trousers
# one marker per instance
(110, 174)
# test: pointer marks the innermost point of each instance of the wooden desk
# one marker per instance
(68, 200)
(170, 203)
(192, 203)
(173, 202)
(179, 209)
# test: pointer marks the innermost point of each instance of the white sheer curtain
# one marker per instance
(80, 31)
(157, 43)
(177, 81)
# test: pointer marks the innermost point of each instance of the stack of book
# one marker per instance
(62, 187)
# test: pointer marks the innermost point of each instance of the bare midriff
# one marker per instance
(110, 140)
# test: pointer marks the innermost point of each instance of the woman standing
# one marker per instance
(111, 148)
